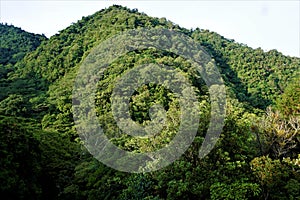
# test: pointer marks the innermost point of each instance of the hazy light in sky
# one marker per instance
(265, 24)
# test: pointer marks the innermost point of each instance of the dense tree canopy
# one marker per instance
(15, 43)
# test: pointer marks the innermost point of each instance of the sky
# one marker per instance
(265, 24)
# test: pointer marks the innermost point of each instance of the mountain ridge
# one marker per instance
(67, 49)
(15, 43)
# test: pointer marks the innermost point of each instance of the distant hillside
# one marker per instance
(256, 76)
(15, 43)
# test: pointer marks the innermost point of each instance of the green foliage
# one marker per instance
(278, 136)
(59, 157)
(278, 178)
(236, 190)
(256, 76)
(293, 187)
(138, 186)
(288, 103)
(19, 167)
(44, 158)
(15, 43)
(13, 105)
(93, 180)
(34, 164)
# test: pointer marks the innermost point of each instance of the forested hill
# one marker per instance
(256, 157)
(15, 43)
(256, 76)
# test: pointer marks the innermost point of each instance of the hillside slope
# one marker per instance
(255, 76)
(15, 43)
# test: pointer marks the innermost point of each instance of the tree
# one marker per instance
(277, 136)
(20, 154)
(288, 103)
